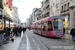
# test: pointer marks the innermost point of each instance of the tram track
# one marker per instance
(42, 43)
(60, 39)
(46, 46)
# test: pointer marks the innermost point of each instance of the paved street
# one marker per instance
(38, 42)
(12, 45)
(31, 41)
(54, 18)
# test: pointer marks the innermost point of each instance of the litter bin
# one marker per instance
(1, 39)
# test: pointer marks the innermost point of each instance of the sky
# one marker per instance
(25, 7)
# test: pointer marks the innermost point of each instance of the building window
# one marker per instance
(65, 7)
(62, 8)
(68, 6)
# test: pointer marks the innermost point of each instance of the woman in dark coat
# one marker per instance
(63, 32)
(24, 29)
(15, 30)
(73, 33)
(20, 30)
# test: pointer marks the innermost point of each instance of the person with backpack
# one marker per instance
(63, 32)
(20, 30)
(73, 33)
(15, 30)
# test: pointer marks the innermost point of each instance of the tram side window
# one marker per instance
(44, 26)
(39, 26)
(50, 26)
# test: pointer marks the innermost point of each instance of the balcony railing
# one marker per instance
(64, 10)
(47, 3)
(47, 6)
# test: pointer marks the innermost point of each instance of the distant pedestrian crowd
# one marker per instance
(15, 31)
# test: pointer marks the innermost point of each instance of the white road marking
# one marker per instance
(38, 48)
(36, 44)
(39, 42)
(28, 43)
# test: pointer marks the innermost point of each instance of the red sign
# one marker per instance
(10, 4)
(6, 1)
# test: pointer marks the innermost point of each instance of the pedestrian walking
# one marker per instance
(24, 29)
(20, 30)
(11, 34)
(8, 31)
(73, 33)
(11, 31)
(63, 32)
(15, 31)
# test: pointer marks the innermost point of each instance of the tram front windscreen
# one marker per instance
(57, 24)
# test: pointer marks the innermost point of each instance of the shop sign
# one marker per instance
(6, 1)
(9, 2)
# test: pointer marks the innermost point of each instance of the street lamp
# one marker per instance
(4, 15)
(9, 21)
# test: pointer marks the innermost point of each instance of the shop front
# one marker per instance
(66, 22)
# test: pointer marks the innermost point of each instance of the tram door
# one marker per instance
(44, 28)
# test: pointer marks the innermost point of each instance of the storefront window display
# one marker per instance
(66, 22)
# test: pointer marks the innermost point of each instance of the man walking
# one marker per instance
(15, 30)
(20, 30)
(73, 33)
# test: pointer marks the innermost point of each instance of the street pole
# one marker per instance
(9, 22)
(4, 22)
(4, 15)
